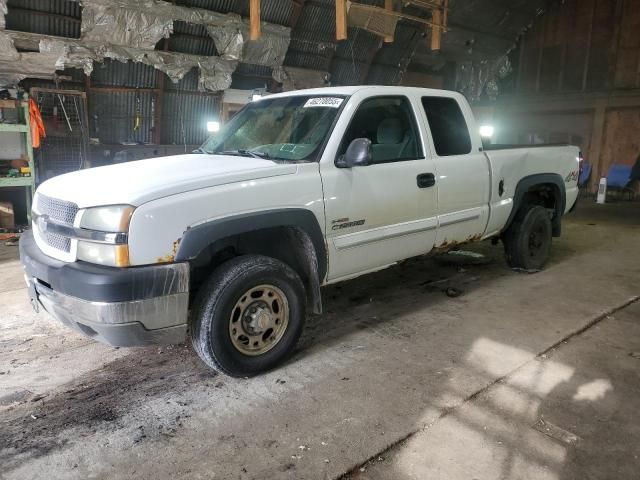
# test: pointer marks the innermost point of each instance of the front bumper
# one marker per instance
(117, 306)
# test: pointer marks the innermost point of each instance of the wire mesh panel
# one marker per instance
(122, 117)
(64, 114)
(374, 20)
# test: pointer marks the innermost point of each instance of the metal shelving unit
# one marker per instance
(23, 128)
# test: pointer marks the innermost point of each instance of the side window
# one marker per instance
(448, 127)
(390, 124)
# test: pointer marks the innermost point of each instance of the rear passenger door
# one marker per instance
(383, 212)
(462, 171)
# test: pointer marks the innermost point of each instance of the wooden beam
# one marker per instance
(341, 19)
(436, 29)
(388, 6)
(254, 18)
(445, 20)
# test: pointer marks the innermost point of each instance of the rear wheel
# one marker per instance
(248, 316)
(527, 241)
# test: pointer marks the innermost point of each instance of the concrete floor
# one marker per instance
(522, 376)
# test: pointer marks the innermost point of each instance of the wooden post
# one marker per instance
(254, 17)
(436, 29)
(341, 19)
(388, 6)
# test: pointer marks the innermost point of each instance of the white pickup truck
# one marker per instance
(230, 245)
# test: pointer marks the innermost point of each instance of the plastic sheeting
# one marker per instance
(8, 52)
(229, 41)
(124, 26)
(269, 50)
(128, 30)
(28, 65)
(69, 54)
(141, 24)
(16, 66)
(299, 78)
(215, 72)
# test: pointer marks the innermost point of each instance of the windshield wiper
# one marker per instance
(199, 150)
(247, 153)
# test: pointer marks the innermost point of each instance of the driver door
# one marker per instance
(386, 211)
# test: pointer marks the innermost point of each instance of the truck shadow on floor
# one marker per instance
(103, 400)
(100, 399)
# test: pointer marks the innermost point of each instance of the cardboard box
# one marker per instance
(7, 218)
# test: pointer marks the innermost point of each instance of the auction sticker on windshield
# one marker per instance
(332, 102)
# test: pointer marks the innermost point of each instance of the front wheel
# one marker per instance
(248, 316)
(527, 241)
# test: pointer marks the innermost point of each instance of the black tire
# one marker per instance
(218, 300)
(527, 241)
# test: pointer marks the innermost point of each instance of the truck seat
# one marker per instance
(393, 141)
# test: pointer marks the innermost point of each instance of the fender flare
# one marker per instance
(198, 238)
(523, 187)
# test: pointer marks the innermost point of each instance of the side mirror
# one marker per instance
(358, 154)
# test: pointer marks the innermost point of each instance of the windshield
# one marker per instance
(287, 129)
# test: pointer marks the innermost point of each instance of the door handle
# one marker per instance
(426, 180)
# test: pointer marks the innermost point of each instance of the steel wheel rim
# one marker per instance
(259, 320)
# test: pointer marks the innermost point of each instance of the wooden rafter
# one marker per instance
(436, 30)
(388, 6)
(254, 19)
(341, 19)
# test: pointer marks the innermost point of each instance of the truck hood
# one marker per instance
(135, 183)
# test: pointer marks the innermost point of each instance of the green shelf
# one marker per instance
(25, 132)
(13, 127)
(16, 182)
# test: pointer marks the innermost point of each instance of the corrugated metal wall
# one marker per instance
(49, 17)
(118, 74)
(185, 116)
(121, 117)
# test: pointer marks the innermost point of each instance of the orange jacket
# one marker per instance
(37, 126)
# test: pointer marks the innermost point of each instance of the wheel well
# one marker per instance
(288, 244)
(546, 195)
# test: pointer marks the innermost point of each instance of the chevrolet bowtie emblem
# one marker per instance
(42, 223)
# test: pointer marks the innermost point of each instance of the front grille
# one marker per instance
(55, 209)
(58, 242)
(60, 211)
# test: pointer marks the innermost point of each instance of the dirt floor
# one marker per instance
(520, 376)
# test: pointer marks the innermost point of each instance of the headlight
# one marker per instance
(114, 218)
(104, 235)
